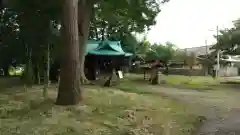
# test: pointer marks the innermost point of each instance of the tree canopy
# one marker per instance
(33, 27)
(31, 21)
(229, 39)
(161, 52)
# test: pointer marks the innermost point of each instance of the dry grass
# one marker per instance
(102, 112)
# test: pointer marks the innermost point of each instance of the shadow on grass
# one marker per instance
(7, 83)
(134, 90)
(34, 108)
(138, 80)
(231, 84)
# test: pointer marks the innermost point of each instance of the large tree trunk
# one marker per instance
(84, 12)
(69, 92)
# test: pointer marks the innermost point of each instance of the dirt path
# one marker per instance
(221, 108)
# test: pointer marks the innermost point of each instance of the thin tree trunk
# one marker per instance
(84, 12)
(190, 74)
(29, 74)
(46, 74)
(69, 92)
(38, 74)
(103, 30)
(5, 70)
(167, 69)
(154, 76)
(96, 33)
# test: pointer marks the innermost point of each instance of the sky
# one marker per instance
(189, 23)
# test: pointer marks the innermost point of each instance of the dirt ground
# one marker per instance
(221, 108)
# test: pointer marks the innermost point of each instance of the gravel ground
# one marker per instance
(221, 108)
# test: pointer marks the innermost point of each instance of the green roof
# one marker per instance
(106, 52)
(91, 45)
(108, 48)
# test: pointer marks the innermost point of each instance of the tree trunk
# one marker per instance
(69, 92)
(29, 73)
(38, 74)
(46, 74)
(103, 30)
(96, 33)
(154, 77)
(84, 12)
(5, 70)
(191, 69)
(167, 69)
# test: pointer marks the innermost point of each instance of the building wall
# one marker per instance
(228, 71)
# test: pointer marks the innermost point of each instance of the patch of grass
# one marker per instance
(200, 83)
(192, 82)
(185, 82)
(127, 86)
(104, 111)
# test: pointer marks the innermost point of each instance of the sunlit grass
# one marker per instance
(179, 81)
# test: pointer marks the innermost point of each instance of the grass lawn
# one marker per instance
(104, 111)
(193, 82)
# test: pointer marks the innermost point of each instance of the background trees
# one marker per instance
(164, 52)
(33, 33)
(229, 39)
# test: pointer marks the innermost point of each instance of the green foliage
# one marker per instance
(191, 60)
(161, 52)
(116, 19)
(16, 71)
(10, 45)
(33, 28)
(142, 49)
(33, 24)
(229, 39)
(129, 43)
(179, 55)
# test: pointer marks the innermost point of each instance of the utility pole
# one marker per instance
(206, 47)
(206, 56)
(218, 54)
(217, 68)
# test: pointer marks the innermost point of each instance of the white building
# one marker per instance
(230, 69)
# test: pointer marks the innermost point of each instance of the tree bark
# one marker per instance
(38, 74)
(5, 70)
(103, 30)
(69, 92)
(46, 74)
(84, 16)
(154, 80)
(96, 33)
(167, 68)
(29, 74)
